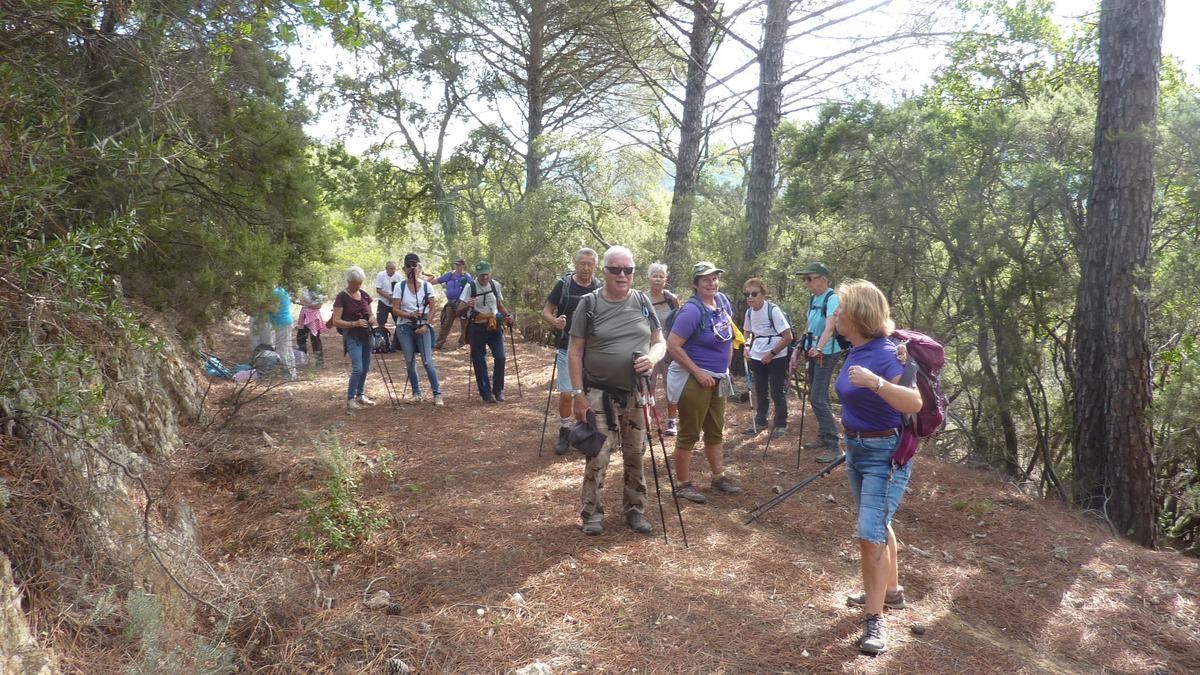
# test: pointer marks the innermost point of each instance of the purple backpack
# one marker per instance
(926, 357)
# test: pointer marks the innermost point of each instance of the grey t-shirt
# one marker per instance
(614, 331)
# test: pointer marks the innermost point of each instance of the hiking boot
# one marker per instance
(754, 430)
(353, 404)
(414, 399)
(813, 445)
(874, 635)
(723, 484)
(830, 456)
(362, 398)
(638, 523)
(499, 396)
(563, 444)
(592, 528)
(672, 427)
(690, 493)
(779, 432)
(437, 400)
(890, 600)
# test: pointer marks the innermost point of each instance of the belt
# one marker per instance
(882, 433)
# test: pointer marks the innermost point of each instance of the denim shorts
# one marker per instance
(563, 378)
(877, 487)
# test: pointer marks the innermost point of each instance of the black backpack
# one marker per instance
(381, 341)
(794, 344)
(476, 294)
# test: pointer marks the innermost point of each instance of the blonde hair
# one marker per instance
(757, 281)
(864, 306)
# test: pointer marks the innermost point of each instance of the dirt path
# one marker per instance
(475, 518)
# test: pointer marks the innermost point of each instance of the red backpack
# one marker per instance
(926, 357)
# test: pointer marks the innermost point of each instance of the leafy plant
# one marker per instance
(335, 516)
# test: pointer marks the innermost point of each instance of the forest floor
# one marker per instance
(487, 570)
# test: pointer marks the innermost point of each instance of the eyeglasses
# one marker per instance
(751, 294)
(619, 271)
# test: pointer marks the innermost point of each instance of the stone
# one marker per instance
(517, 599)
(918, 628)
(268, 440)
(1061, 553)
(378, 600)
(537, 668)
(424, 628)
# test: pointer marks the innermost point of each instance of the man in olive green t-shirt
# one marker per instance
(609, 326)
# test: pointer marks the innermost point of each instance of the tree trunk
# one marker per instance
(677, 254)
(1113, 459)
(536, 95)
(760, 189)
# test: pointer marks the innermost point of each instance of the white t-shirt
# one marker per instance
(386, 282)
(412, 302)
(758, 323)
(485, 303)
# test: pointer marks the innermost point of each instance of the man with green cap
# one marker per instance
(820, 347)
(482, 304)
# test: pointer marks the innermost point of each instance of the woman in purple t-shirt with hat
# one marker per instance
(872, 405)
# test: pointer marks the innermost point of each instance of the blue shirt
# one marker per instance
(454, 283)
(283, 315)
(862, 408)
(818, 319)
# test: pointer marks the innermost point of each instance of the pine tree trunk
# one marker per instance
(535, 95)
(760, 189)
(677, 254)
(1112, 453)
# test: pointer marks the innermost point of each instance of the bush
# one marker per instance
(336, 517)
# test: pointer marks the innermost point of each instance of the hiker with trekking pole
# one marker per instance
(413, 306)
(769, 335)
(609, 325)
(824, 349)
(700, 343)
(352, 315)
(558, 312)
(482, 303)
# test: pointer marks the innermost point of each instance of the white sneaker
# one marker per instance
(353, 404)
(415, 398)
(437, 399)
(363, 400)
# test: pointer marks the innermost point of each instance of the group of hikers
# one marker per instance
(614, 342)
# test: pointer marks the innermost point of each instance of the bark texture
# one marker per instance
(760, 189)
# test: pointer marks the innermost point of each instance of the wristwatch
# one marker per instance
(880, 384)
(578, 392)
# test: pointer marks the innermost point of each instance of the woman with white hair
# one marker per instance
(664, 303)
(352, 314)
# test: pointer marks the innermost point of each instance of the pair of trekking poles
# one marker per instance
(806, 382)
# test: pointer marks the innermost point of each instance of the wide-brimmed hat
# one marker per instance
(586, 438)
(705, 268)
(815, 268)
(483, 267)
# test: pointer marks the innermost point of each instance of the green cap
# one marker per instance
(483, 267)
(705, 268)
(815, 268)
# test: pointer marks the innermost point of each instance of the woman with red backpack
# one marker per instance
(873, 405)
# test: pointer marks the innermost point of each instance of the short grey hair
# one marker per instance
(355, 273)
(616, 250)
(655, 268)
(586, 253)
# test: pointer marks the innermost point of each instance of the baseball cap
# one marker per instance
(483, 267)
(815, 268)
(705, 268)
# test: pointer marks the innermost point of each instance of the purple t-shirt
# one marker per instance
(712, 343)
(862, 408)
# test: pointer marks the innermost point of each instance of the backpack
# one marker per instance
(424, 304)
(475, 294)
(842, 342)
(381, 342)
(722, 303)
(566, 293)
(215, 367)
(590, 310)
(925, 360)
(771, 318)
(267, 363)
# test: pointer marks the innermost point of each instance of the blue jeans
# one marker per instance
(481, 339)
(819, 395)
(410, 342)
(359, 350)
(877, 486)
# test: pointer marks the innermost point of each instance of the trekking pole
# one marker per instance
(549, 395)
(808, 375)
(760, 510)
(645, 400)
(750, 393)
(650, 403)
(385, 374)
(512, 340)
(470, 359)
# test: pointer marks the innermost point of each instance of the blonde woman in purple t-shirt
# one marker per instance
(872, 405)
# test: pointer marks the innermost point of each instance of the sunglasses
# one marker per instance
(751, 294)
(619, 271)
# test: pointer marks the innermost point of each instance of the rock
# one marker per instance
(517, 599)
(378, 600)
(269, 441)
(362, 442)
(776, 489)
(569, 619)
(334, 571)
(918, 628)
(1153, 600)
(830, 499)
(1061, 553)
(537, 668)
(395, 666)
(922, 553)
(424, 628)
(395, 609)
(1123, 569)
(481, 611)
(947, 557)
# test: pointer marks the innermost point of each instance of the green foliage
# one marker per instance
(160, 650)
(335, 516)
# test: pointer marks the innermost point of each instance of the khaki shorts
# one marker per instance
(700, 409)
